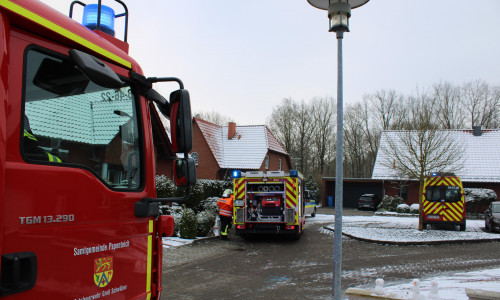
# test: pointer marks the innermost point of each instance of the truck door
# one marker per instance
(75, 167)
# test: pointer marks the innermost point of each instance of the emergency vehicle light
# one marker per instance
(294, 173)
(434, 174)
(236, 174)
(107, 24)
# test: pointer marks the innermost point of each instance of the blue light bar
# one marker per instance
(434, 174)
(236, 174)
(294, 173)
(107, 18)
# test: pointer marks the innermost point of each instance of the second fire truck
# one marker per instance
(269, 202)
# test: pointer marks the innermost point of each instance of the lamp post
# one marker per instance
(339, 12)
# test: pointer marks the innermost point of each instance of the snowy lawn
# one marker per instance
(405, 230)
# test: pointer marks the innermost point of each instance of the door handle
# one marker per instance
(19, 272)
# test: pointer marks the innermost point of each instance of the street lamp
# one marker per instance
(339, 12)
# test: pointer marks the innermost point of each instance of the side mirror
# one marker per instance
(181, 125)
(184, 172)
(96, 70)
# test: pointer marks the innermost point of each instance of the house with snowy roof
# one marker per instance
(217, 150)
(479, 166)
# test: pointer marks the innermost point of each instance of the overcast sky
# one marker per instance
(241, 58)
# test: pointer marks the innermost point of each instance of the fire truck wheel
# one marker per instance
(462, 227)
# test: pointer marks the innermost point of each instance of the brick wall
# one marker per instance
(207, 167)
(274, 158)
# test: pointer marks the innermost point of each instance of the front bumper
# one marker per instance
(266, 228)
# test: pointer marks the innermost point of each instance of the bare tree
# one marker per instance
(384, 107)
(283, 125)
(448, 108)
(482, 104)
(305, 127)
(323, 136)
(422, 148)
(354, 141)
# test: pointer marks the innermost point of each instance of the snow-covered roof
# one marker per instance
(480, 161)
(246, 150)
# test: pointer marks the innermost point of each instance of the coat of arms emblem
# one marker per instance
(103, 271)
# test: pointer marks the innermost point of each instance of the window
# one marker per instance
(195, 157)
(266, 163)
(69, 120)
(280, 167)
(443, 194)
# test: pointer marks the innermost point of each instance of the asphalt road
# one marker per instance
(271, 268)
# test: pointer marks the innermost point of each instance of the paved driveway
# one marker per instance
(270, 268)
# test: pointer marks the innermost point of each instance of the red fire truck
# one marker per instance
(79, 217)
(269, 203)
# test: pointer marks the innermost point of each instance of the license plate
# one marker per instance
(433, 217)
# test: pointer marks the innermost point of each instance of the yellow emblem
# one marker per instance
(103, 271)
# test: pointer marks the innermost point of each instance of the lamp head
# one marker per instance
(339, 11)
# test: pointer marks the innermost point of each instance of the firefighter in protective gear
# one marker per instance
(225, 205)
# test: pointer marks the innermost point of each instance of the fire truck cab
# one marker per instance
(78, 213)
(269, 203)
(443, 201)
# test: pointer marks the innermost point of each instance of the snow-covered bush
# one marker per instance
(210, 205)
(414, 208)
(474, 195)
(476, 200)
(205, 222)
(174, 211)
(214, 188)
(403, 209)
(187, 224)
(164, 187)
(390, 203)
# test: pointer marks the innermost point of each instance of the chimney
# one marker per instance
(231, 130)
(476, 130)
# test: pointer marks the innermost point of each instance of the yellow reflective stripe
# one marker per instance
(29, 135)
(63, 31)
(149, 263)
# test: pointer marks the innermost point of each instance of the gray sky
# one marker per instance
(241, 58)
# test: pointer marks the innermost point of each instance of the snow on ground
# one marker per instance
(451, 286)
(404, 229)
(172, 242)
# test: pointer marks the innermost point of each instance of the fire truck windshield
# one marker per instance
(70, 121)
(443, 193)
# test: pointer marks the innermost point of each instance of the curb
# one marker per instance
(414, 243)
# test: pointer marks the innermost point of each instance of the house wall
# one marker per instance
(274, 158)
(163, 166)
(392, 188)
(207, 167)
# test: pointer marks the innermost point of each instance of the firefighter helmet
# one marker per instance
(227, 193)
